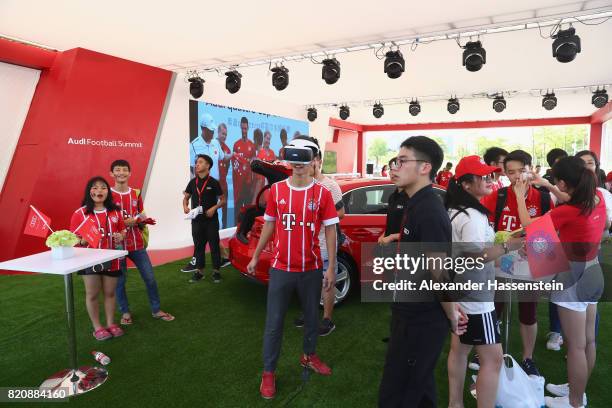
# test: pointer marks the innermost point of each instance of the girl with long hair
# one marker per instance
(473, 237)
(98, 206)
(580, 224)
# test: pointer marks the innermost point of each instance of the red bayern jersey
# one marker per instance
(223, 163)
(298, 214)
(244, 152)
(130, 203)
(496, 185)
(580, 234)
(109, 222)
(509, 219)
(444, 178)
(266, 155)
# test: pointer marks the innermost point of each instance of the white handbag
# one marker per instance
(518, 390)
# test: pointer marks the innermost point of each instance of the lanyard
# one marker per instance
(200, 190)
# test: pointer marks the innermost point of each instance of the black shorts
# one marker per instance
(112, 274)
(481, 329)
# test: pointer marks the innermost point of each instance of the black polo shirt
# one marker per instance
(395, 211)
(209, 196)
(426, 222)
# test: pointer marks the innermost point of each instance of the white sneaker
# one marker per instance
(558, 390)
(559, 402)
(562, 390)
(555, 340)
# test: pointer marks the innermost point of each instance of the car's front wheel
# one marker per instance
(344, 280)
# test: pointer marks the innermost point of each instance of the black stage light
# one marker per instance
(600, 98)
(474, 56)
(549, 101)
(499, 103)
(414, 108)
(233, 81)
(330, 71)
(312, 114)
(453, 106)
(566, 45)
(196, 86)
(378, 110)
(280, 77)
(394, 64)
(345, 112)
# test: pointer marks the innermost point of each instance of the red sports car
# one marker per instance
(365, 204)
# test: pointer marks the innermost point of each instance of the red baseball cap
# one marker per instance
(609, 178)
(474, 165)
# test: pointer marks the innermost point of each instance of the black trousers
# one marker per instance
(206, 231)
(408, 378)
(281, 287)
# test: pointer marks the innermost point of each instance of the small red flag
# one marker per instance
(89, 231)
(37, 224)
(545, 252)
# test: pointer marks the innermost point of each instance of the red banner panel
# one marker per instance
(88, 110)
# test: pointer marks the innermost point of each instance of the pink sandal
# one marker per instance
(102, 334)
(126, 321)
(115, 330)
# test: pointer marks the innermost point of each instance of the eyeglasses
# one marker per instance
(398, 163)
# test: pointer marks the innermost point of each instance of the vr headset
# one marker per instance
(300, 152)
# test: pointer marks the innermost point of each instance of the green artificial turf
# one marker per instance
(210, 356)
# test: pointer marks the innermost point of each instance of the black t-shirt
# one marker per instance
(210, 192)
(395, 212)
(426, 222)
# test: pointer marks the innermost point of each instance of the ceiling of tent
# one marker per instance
(190, 34)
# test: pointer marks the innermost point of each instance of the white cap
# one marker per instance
(208, 122)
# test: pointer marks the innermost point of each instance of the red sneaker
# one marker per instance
(315, 364)
(268, 386)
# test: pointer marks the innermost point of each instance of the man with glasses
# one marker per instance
(494, 156)
(420, 323)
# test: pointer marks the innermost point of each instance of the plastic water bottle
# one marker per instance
(101, 357)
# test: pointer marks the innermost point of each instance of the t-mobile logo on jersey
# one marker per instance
(288, 221)
(509, 222)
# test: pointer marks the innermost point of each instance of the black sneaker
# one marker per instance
(225, 262)
(530, 367)
(326, 327)
(299, 321)
(196, 277)
(190, 267)
(474, 363)
(216, 277)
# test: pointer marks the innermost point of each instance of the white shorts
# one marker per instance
(584, 286)
(326, 265)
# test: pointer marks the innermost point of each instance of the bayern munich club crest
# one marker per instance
(114, 218)
(312, 205)
(533, 211)
(541, 243)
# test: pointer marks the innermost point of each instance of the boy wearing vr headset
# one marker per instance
(295, 211)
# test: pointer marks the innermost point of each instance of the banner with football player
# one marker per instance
(232, 138)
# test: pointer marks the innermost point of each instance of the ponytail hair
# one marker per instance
(574, 173)
(459, 199)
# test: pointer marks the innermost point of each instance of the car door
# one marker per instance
(365, 215)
